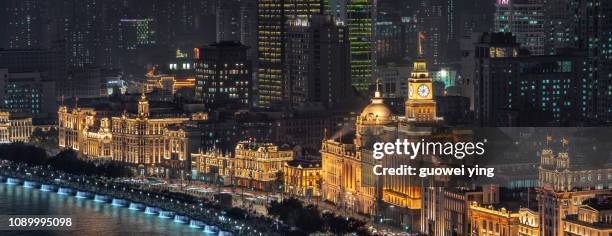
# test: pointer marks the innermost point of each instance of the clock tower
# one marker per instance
(420, 105)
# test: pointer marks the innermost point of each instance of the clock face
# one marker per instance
(423, 90)
(410, 91)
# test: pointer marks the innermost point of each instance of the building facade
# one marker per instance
(223, 75)
(15, 129)
(303, 178)
(271, 35)
(316, 62)
(152, 142)
(525, 20)
(252, 165)
(348, 160)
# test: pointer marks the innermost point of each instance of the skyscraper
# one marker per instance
(228, 21)
(272, 15)
(316, 61)
(360, 22)
(24, 28)
(525, 90)
(223, 75)
(525, 20)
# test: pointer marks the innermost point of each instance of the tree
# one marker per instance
(45, 139)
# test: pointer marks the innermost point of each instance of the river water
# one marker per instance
(91, 218)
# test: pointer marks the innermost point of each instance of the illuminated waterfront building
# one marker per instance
(213, 166)
(97, 141)
(360, 23)
(556, 207)
(151, 141)
(594, 217)
(15, 129)
(489, 221)
(71, 124)
(348, 179)
(259, 165)
(529, 222)
(252, 165)
(271, 18)
(445, 211)
(342, 178)
(557, 173)
(303, 178)
(564, 187)
(223, 75)
(139, 138)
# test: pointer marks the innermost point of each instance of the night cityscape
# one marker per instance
(262, 117)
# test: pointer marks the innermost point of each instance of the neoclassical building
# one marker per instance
(252, 165)
(487, 220)
(303, 178)
(15, 129)
(563, 187)
(148, 141)
(142, 139)
(558, 174)
(348, 179)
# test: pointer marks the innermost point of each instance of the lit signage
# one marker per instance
(503, 2)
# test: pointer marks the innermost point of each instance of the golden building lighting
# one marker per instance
(15, 129)
(348, 179)
(488, 221)
(213, 166)
(259, 165)
(529, 222)
(137, 139)
(97, 142)
(302, 178)
(592, 219)
(252, 165)
(71, 124)
(342, 180)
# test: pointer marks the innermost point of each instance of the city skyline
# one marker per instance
(236, 112)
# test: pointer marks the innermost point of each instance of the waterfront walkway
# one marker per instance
(194, 207)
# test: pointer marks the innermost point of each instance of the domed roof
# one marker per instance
(377, 112)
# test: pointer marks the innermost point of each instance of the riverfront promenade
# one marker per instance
(196, 208)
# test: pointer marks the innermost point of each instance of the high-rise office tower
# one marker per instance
(248, 27)
(228, 21)
(437, 21)
(223, 75)
(237, 21)
(272, 15)
(525, 20)
(360, 15)
(24, 23)
(526, 90)
(316, 67)
(561, 25)
(390, 39)
(79, 28)
(600, 41)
